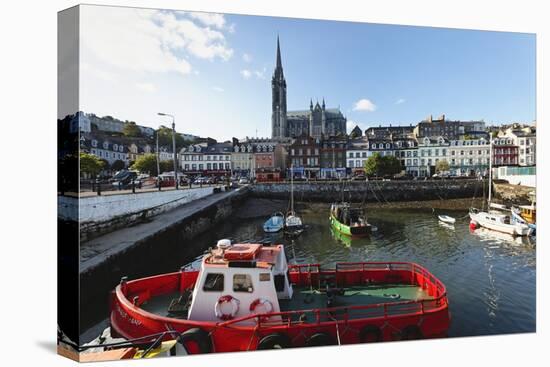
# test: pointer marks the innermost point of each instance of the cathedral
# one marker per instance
(316, 122)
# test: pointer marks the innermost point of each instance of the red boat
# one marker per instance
(246, 297)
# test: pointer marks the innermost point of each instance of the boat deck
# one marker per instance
(308, 299)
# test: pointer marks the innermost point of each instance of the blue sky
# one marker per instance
(213, 71)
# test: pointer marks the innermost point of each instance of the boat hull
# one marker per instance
(391, 321)
(511, 229)
(347, 230)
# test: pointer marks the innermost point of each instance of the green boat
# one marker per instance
(349, 221)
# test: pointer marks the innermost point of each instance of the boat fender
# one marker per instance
(262, 302)
(370, 334)
(199, 336)
(392, 296)
(411, 332)
(319, 339)
(234, 307)
(274, 341)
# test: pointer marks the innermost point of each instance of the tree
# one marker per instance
(166, 166)
(391, 165)
(373, 165)
(90, 164)
(118, 165)
(442, 166)
(131, 130)
(165, 138)
(376, 165)
(146, 163)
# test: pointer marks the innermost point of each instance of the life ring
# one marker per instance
(195, 341)
(234, 307)
(264, 303)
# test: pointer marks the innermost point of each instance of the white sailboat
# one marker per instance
(494, 219)
(293, 222)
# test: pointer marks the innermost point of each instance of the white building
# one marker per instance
(111, 151)
(357, 154)
(468, 156)
(431, 151)
(206, 159)
(406, 150)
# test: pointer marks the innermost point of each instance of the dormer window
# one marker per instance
(115, 147)
(105, 145)
(94, 143)
(236, 149)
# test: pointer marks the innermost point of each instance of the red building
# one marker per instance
(268, 175)
(505, 153)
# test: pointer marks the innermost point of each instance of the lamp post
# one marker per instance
(173, 147)
(158, 161)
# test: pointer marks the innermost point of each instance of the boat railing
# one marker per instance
(420, 276)
(341, 314)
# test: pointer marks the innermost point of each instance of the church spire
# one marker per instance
(278, 74)
(279, 63)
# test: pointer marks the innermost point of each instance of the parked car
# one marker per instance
(243, 181)
(123, 180)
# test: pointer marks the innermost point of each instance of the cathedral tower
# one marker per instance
(278, 99)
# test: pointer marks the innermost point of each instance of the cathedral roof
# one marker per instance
(329, 112)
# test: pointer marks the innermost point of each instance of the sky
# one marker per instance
(213, 71)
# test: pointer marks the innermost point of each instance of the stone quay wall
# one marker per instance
(372, 191)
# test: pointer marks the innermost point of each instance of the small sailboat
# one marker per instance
(293, 223)
(446, 219)
(495, 218)
(275, 223)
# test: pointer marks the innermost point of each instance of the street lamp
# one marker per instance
(173, 146)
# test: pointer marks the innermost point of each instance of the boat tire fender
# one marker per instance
(370, 334)
(198, 336)
(226, 299)
(274, 341)
(319, 339)
(411, 332)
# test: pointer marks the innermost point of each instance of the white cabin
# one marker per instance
(238, 280)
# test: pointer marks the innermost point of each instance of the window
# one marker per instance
(213, 283)
(242, 283)
(364, 154)
(350, 164)
(357, 163)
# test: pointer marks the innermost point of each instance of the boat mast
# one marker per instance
(292, 188)
(490, 168)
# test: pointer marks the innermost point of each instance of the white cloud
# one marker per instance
(258, 74)
(400, 101)
(246, 73)
(146, 87)
(210, 19)
(217, 88)
(247, 57)
(364, 105)
(145, 40)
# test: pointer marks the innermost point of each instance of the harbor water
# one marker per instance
(490, 277)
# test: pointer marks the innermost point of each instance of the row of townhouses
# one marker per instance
(463, 145)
